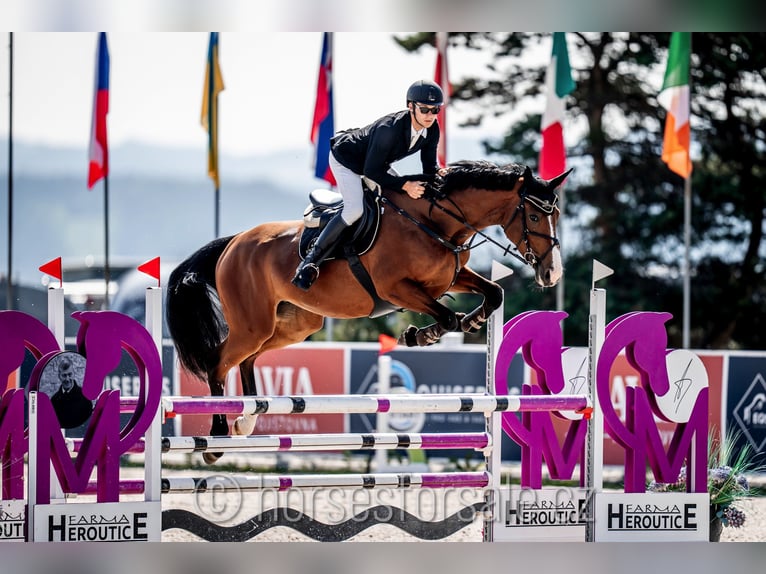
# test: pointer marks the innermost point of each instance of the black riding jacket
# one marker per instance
(371, 150)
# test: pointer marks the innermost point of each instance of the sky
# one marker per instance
(270, 86)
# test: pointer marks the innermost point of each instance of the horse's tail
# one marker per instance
(193, 312)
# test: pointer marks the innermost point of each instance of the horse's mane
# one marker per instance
(480, 174)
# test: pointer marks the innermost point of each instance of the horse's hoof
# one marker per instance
(409, 337)
(211, 457)
(426, 339)
(472, 324)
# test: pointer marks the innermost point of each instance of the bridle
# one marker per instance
(546, 207)
(529, 257)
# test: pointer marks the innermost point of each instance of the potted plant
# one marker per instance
(726, 481)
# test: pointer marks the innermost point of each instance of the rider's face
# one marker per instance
(426, 118)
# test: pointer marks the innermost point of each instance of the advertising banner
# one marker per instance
(746, 400)
(299, 370)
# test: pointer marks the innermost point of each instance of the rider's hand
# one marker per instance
(415, 189)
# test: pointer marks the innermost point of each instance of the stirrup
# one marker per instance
(306, 276)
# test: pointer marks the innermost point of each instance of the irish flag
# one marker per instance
(674, 97)
(558, 83)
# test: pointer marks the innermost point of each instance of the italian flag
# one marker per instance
(674, 97)
(558, 83)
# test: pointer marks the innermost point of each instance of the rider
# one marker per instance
(369, 152)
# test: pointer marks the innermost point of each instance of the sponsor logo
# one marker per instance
(545, 513)
(750, 413)
(11, 524)
(97, 527)
(651, 517)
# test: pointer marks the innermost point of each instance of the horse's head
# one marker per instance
(512, 196)
(533, 226)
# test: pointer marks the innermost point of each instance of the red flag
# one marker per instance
(53, 268)
(99, 150)
(323, 124)
(442, 78)
(151, 268)
(387, 344)
(558, 83)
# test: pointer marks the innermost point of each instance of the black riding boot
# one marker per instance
(308, 270)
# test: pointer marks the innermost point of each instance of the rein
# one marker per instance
(529, 258)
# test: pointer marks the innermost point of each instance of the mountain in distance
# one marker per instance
(161, 202)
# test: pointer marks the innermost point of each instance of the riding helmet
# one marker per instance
(425, 92)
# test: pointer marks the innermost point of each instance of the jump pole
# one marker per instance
(493, 423)
(384, 387)
(594, 439)
(153, 437)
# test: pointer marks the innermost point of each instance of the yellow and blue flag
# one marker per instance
(213, 86)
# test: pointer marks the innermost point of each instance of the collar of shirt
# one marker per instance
(414, 132)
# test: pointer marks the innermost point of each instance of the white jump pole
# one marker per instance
(493, 421)
(384, 388)
(594, 448)
(56, 326)
(152, 456)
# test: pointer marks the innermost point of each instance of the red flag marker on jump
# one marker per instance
(53, 268)
(387, 343)
(151, 268)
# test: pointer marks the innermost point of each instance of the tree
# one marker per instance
(624, 206)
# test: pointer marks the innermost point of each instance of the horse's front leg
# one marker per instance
(469, 281)
(411, 296)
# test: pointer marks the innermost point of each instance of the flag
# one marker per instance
(53, 268)
(441, 77)
(213, 86)
(387, 344)
(151, 268)
(558, 83)
(674, 97)
(323, 124)
(98, 151)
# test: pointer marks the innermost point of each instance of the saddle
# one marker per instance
(355, 241)
(359, 237)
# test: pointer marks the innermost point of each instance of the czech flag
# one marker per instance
(99, 150)
(558, 83)
(323, 125)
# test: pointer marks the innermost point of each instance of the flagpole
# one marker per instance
(217, 211)
(107, 270)
(560, 233)
(9, 285)
(687, 259)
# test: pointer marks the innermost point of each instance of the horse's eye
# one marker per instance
(534, 218)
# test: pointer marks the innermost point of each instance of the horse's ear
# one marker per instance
(528, 175)
(558, 180)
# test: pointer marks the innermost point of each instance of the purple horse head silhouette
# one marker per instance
(19, 333)
(537, 334)
(643, 337)
(102, 337)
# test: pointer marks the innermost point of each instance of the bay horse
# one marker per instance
(232, 300)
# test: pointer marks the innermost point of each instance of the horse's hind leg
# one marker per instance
(220, 426)
(245, 424)
(293, 325)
